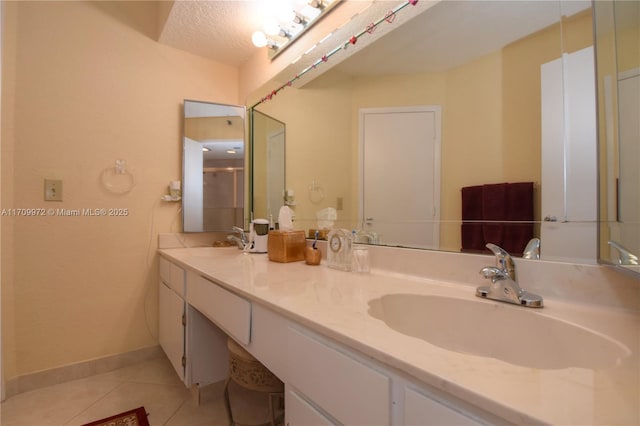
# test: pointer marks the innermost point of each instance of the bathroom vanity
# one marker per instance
(346, 356)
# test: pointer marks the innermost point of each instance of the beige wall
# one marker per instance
(84, 84)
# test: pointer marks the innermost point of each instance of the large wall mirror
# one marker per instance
(213, 167)
(617, 25)
(492, 89)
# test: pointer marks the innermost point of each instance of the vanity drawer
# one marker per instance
(230, 312)
(300, 413)
(326, 375)
(165, 270)
(173, 276)
(420, 409)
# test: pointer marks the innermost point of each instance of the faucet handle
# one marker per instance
(503, 260)
(532, 250)
(626, 256)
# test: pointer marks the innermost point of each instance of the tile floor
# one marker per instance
(152, 384)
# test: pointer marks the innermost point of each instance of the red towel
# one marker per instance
(471, 230)
(494, 212)
(487, 212)
(519, 207)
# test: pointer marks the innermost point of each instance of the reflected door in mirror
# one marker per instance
(401, 159)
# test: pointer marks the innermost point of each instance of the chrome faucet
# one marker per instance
(504, 283)
(241, 240)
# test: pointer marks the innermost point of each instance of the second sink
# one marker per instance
(511, 334)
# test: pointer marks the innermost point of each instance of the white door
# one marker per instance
(275, 176)
(568, 195)
(400, 159)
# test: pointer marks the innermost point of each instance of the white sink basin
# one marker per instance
(517, 335)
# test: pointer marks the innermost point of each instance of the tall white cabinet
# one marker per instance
(569, 158)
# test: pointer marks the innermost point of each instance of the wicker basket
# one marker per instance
(249, 373)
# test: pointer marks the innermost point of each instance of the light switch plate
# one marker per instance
(52, 190)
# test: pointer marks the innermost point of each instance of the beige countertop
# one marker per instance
(336, 304)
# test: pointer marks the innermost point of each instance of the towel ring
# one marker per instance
(117, 179)
(316, 193)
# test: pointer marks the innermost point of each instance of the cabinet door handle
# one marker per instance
(184, 320)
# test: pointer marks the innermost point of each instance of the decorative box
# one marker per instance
(286, 246)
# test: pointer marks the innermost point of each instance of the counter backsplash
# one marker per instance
(577, 283)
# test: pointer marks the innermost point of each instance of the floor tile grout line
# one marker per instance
(184, 401)
(94, 403)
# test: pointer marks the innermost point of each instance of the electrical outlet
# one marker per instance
(52, 190)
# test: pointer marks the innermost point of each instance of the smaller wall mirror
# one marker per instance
(617, 29)
(213, 167)
(268, 165)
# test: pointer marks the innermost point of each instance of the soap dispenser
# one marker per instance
(340, 247)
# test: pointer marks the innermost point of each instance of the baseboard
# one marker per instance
(79, 370)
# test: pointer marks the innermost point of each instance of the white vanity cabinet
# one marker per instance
(172, 319)
(194, 345)
(328, 383)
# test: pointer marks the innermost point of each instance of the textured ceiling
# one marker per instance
(219, 30)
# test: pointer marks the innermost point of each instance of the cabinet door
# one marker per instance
(421, 410)
(171, 328)
(300, 413)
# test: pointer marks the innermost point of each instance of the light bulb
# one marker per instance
(310, 12)
(284, 11)
(271, 26)
(259, 39)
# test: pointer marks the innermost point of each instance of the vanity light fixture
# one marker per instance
(286, 23)
(231, 151)
(205, 149)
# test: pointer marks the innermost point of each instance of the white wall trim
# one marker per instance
(80, 370)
